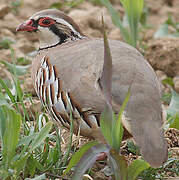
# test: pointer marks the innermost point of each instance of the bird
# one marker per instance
(66, 73)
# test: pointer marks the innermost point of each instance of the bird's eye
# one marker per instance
(46, 22)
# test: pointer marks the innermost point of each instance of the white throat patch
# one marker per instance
(47, 38)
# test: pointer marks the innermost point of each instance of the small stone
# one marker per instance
(4, 9)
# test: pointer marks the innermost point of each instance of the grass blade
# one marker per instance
(134, 12)
(175, 123)
(116, 19)
(117, 130)
(41, 136)
(107, 117)
(70, 141)
(4, 86)
(20, 164)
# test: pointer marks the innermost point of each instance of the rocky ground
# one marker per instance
(162, 54)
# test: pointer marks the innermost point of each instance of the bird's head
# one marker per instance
(53, 28)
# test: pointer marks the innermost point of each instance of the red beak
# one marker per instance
(26, 26)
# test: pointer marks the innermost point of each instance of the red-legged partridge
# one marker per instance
(66, 71)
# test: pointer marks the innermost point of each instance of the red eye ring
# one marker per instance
(46, 22)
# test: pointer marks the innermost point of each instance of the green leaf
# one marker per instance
(70, 4)
(133, 148)
(44, 157)
(134, 12)
(16, 69)
(11, 134)
(23, 61)
(16, 5)
(20, 164)
(26, 140)
(118, 164)
(56, 154)
(116, 19)
(2, 123)
(3, 100)
(136, 167)
(144, 15)
(56, 5)
(88, 159)
(106, 121)
(170, 21)
(7, 91)
(77, 156)
(73, 3)
(175, 123)
(31, 165)
(5, 43)
(41, 136)
(49, 160)
(168, 81)
(166, 97)
(19, 92)
(117, 130)
(174, 104)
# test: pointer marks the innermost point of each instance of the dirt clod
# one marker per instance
(4, 9)
(163, 55)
